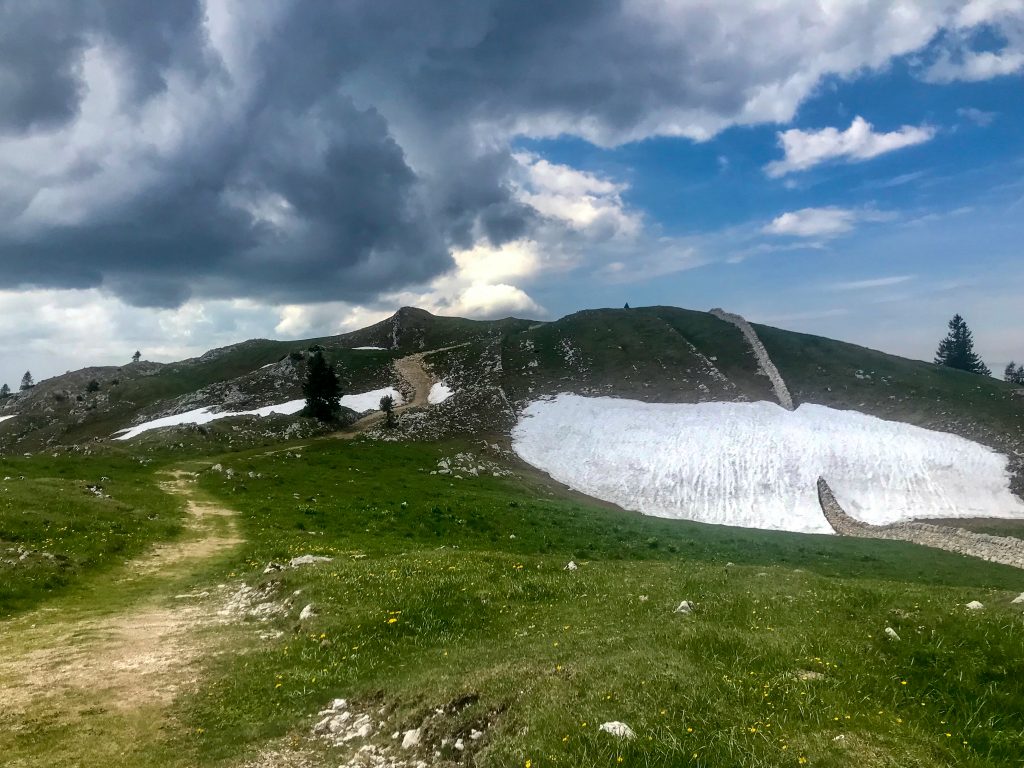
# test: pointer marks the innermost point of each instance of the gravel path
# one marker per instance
(997, 549)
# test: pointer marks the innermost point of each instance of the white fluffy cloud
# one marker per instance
(590, 204)
(813, 222)
(806, 149)
(958, 61)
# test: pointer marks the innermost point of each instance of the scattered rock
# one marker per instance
(620, 730)
(295, 562)
(307, 613)
(891, 633)
(974, 605)
(1018, 600)
(273, 567)
(685, 608)
(571, 566)
(411, 739)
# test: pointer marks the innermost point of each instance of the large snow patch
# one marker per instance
(364, 401)
(756, 464)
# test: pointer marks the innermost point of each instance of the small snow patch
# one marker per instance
(439, 393)
(370, 401)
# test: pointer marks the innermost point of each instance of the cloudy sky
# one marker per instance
(178, 176)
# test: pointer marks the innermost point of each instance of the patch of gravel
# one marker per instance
(997, 549)
(763, 360)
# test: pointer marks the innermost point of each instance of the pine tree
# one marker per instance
(322, 389)
(137, 356)
(957, 349)
(387, 404)
(26, 381)
(5, 391)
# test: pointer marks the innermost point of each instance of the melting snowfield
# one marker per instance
(365, 401)
(756, 464)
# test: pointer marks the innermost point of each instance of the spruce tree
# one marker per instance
(957, 349)
(322, 389)
(5, 391)
(387, 404)
(137, 356)
(26, 381)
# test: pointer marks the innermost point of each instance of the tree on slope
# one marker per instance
(5, 391)
(27, 381)
(957, 349)
(137, 356)
(387, 404)
(1014, 373)
(322, 389)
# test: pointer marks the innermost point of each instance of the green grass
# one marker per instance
(46, 507)
(461, 593)
(659, 354)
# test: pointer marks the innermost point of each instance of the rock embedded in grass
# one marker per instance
(974, 605)
(891, 633)
(685, 608)
(411, 739)
(295, 562)
(620, 730)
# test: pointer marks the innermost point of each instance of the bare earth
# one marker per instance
(115, 657)
(415, 374)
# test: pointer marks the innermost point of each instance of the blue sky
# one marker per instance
(177, 177)
(944, 233)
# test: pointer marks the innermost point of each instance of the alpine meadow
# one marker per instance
(324, 442)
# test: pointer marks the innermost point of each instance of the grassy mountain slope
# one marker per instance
(833, 373)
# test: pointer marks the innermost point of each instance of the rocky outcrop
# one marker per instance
(761, 354)
(996, 549)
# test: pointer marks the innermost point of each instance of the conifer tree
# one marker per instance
(957, 349)
(137, 356)
(322, 389)
(5, 391)
(387, 404)
(26, 381)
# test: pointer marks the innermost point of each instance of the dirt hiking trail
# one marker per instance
(95, 672)
(412, 370)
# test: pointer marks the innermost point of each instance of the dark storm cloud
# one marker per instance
(312, 150)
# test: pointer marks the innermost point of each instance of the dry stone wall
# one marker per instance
(996, 549)
(763, 360)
